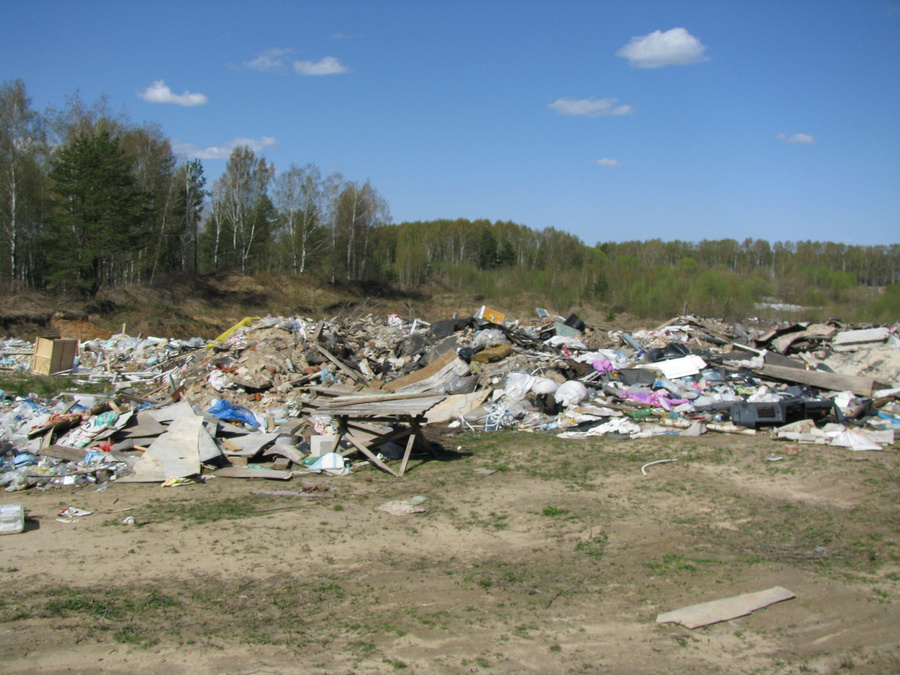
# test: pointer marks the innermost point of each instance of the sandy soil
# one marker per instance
(559, 562)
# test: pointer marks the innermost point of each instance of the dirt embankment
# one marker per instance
(187, 307)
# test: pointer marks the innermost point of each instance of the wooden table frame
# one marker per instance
(352, 413)
(413, 434)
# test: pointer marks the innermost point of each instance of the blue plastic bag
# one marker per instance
(227, 411)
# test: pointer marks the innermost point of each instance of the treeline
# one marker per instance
(89, 199)
(727, 278)
(651, 278)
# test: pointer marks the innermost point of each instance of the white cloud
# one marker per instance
(158, 92)
(268, 61)
(606, 161)
(590, 107)
(803, 139)
(675, 47)
(327, 66)
(221, 151)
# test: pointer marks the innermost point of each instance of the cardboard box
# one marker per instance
(491, 315)
(53, 355)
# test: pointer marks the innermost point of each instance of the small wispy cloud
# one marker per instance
(607, 162)
(223, 151)
(268, 61)
(590, 107)
(158, 92)
(327, 66)
(802, 139)
(674, 47)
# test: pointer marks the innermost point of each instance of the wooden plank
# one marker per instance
(291, 426)
(455, 405)
(859, 385)
(707, 613)
(248, 445)
(285, 451)
(411, 441)
(415, 407)
(814, 332)
(368, 453)
(347, 370)
(866, 335)
(433, 368)
(64, 453)
(317, 332)
(360, 400)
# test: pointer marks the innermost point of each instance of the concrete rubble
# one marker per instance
(277, 397)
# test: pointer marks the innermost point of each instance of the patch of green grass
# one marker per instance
(200, 512)
(75, 602)
(132, 635)
(364, 647)
(553, 512)
(330, 589)
(65, 601)
(45, 386)
(673, 562)
(818, 534)
(594, 546)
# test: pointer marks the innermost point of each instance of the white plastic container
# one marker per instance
(321, 445)
(12, 518)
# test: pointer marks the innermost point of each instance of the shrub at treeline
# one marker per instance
(89, 199)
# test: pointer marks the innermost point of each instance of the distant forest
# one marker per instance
(89, 199)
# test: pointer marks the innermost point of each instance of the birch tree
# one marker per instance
(331, 191)
(239, 202)
(22, 152)
(298, 196)
(360, 210)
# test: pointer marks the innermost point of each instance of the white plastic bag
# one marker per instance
(571, 393)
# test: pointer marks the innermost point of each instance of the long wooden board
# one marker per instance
(707, 613)
(859, 385)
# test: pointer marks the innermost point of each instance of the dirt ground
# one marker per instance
(558, 562)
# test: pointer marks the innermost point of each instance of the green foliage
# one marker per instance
(98, 211)
(200, 512)
(884, 309)
(43, 386)
(488, 257)
(595, 546)
(114, 207)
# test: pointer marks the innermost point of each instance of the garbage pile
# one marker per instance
(276, 396)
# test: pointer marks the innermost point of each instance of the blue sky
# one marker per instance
(614, 121)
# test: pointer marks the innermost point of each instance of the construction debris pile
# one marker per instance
(273, 397)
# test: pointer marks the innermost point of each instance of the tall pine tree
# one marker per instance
(98, 214)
